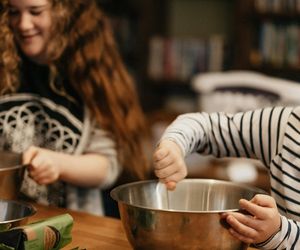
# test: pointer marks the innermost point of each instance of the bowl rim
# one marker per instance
(32, 208)
(114, 191)
(12, 167)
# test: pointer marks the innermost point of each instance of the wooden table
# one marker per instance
(89, 231)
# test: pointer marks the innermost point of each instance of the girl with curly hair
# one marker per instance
(67, 102)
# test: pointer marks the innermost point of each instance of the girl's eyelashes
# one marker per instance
(36, 12)
(33, 12)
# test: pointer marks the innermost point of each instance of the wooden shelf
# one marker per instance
(279, 17)
(266, 67)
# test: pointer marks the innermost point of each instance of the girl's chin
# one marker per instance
(30, 54)
(34, 55)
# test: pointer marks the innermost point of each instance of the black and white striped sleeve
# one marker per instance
(287, 238)
(253, 134)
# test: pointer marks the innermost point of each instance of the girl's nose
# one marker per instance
(25, 22)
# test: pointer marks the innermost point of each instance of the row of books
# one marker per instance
(277, 6)
(280, 44)
(181, 58)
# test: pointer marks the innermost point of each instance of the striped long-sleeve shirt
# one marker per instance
(271, 135)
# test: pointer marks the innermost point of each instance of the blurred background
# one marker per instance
(210, 55)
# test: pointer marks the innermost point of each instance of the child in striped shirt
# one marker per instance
(271, 135)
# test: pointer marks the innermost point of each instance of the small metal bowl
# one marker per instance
(11, 175)
(14, 213)
(184, 219)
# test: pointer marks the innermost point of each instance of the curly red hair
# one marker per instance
(83, 48)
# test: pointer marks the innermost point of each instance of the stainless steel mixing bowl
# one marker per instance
(11, 174)
(14, 213)
(187, 218)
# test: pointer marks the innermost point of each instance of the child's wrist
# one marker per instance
(181, 151)
(271, 237)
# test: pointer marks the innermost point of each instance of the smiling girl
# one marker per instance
(67, 102)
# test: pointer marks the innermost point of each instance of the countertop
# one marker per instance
(89, 231)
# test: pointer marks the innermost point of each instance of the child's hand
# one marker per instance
(43, 164)
(263, 222)
(169, 165)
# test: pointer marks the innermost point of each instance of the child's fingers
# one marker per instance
(241, 237)
(258, 211)
(246, 220)
(178, 176)
(165, 172)
(241, 228)
(263, 200)
(160, 154)
(171, 185)
(30, 154)
(163, 163)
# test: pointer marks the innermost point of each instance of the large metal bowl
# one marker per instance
(14, 213)
(187, 218)
(11, 174)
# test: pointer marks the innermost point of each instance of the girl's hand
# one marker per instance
(169, 165)
(263, 221)
(44, 164)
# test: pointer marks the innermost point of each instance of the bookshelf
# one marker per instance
(268, 37)
(188, 35)
(193, 41)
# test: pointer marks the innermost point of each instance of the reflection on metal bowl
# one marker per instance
(187, 218)
(11, 174)
(14, 213)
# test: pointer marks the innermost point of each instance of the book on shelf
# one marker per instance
(279, 45)
(216, 50)
(181, 58)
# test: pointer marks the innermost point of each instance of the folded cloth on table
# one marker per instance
(52, 233)
(12, 239)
